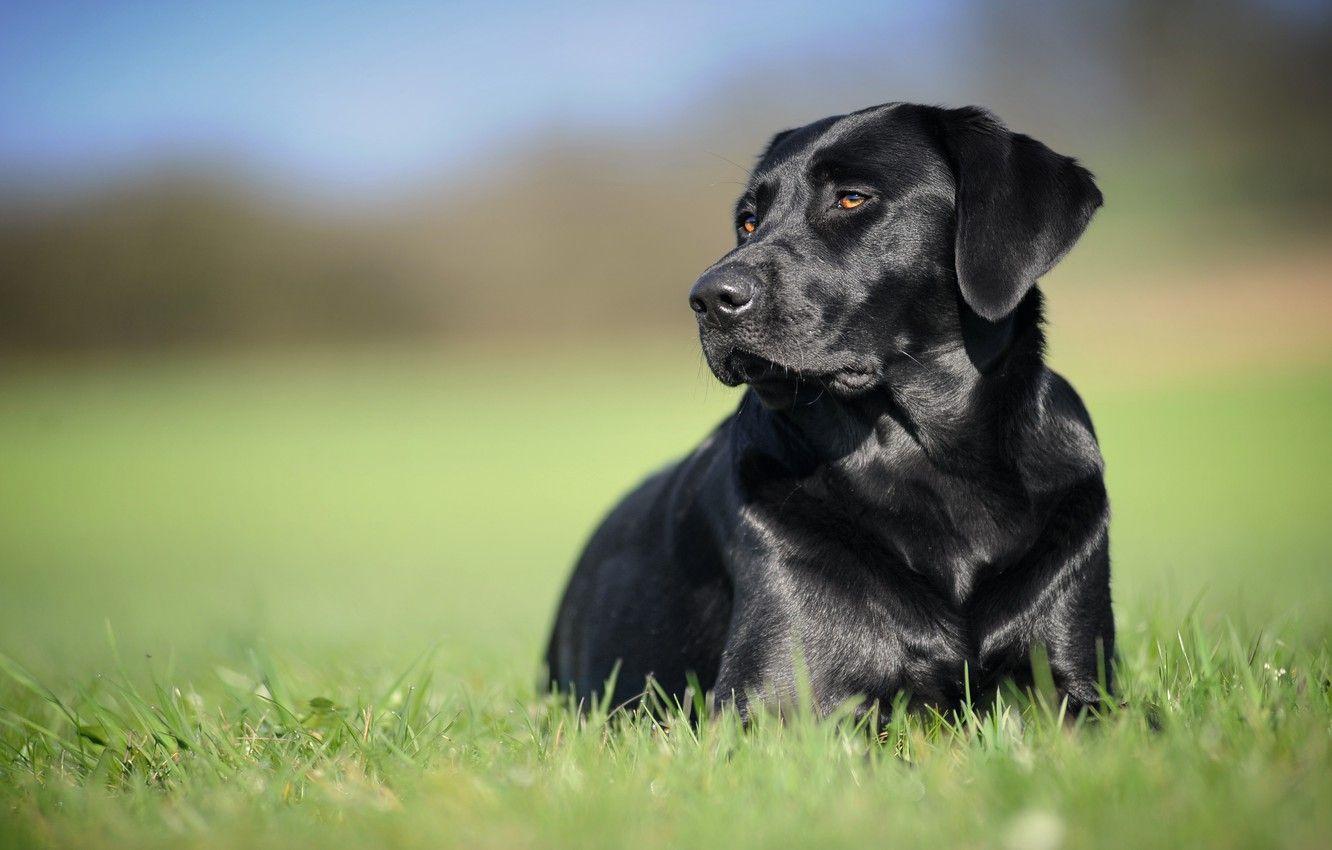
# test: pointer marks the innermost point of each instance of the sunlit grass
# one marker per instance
(1221, 741)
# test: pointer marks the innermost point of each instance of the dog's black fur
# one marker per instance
(907, 499)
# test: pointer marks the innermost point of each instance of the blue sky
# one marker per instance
(374, 95)
(370, 94)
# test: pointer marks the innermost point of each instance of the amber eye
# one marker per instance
(850, 200)
(749, 223)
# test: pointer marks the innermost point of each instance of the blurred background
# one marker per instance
(340, 327)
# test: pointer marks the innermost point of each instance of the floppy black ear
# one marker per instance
(1020, 207)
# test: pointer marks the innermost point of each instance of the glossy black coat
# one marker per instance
(906, 495)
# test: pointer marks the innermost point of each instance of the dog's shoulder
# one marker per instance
(1063, 400)
(1061, 448)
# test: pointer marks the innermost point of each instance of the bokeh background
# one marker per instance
(336, 329)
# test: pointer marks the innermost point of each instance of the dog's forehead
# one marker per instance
(886, 140)
(878, 130)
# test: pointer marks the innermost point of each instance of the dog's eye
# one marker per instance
(749, 223)
(850, 200)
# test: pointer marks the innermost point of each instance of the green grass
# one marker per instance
(300, 602)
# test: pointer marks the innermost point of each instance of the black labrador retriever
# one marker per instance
(906, 501)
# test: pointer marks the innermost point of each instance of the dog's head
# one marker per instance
(864, 238)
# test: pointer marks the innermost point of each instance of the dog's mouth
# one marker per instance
(780, 384)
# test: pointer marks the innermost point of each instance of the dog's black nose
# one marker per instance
(722, 293)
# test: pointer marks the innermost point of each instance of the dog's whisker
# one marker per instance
(749, 172)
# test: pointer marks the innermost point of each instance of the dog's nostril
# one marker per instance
(698, 305)
(734, 297)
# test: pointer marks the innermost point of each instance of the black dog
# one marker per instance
(907, 500)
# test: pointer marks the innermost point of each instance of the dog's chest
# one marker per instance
(876, 562)
(940, 534)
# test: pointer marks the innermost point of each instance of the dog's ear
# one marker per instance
(1020, 207)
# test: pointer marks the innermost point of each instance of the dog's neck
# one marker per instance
(959, 404)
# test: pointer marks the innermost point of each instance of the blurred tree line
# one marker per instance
(581, 233)
(563, 241)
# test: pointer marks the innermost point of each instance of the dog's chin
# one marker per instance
(782, 386)
(724, 372)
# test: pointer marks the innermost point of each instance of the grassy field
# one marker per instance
(300, 601)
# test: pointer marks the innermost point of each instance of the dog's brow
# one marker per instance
(741, 207)
(836, 169)
(755, 195)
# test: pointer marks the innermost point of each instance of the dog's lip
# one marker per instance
(849, 377)
(853, 379)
